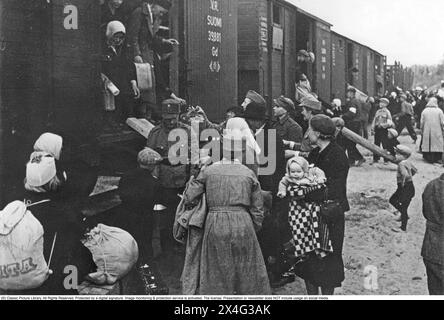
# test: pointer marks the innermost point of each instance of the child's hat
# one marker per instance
(300, 161)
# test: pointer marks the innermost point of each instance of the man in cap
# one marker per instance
(352, 119)
(405, 118)
(146, 46)
(253, 96)
(172, 178)
(286, 128)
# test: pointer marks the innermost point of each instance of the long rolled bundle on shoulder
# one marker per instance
(368, 145)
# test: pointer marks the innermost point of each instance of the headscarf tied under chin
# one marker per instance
(113, 28)
(49, 143)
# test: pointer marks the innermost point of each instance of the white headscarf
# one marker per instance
(337, 102)
(113, 28)
(49, 143)
(239, 124)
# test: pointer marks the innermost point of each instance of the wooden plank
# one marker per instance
(368, 145)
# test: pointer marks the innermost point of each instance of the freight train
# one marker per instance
(50, 64)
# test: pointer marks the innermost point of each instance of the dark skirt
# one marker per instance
(329, 271)
(432, 157)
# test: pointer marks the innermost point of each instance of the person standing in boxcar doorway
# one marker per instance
(112, 10)
(147, 46)
(121, 72)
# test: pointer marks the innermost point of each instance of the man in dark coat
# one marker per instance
(172, 178)
(352, 117)
(275, 231)
(113, 10)
(286, 128)
(146, 46)
(433, 245)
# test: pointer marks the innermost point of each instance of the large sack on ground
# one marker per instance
(114, 251)
(22, 263)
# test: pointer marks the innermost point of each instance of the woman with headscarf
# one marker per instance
(120, 71)
(231, 261)
(80, 177)
(44, 197)
(432, 129)
(328, 273)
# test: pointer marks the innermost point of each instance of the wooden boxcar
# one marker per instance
(48, 76)
(339, 72)
(271, 32)
(267, 50)
(314, 34)
(205, 70)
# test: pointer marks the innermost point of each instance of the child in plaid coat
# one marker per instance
(300, 173)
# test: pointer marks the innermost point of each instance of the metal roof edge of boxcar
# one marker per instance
(362, 45)
(302, 11)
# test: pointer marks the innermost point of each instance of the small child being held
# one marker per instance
(300, 173)
(406, 190)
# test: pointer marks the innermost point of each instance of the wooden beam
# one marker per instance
(368, 145)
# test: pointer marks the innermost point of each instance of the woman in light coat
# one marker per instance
(432, 128)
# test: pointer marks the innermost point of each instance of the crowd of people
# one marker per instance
(245, 229)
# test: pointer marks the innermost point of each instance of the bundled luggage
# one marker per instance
(114, 251)
(22, 263)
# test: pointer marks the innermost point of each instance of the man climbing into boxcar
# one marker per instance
(146, 47)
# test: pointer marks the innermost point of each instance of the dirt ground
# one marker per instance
(369, 241)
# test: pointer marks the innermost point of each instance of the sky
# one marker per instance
(409, 31)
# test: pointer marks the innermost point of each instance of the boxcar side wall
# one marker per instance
(338, 67)
(211, 55)
(323, 61)
(75, 70)
(25, 90)
(252, 39)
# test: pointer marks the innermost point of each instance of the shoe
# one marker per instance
(283, 280)
(398, 230)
